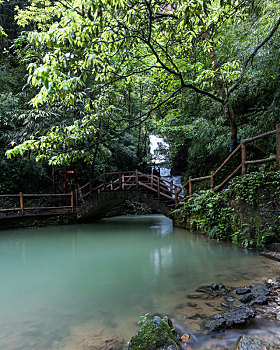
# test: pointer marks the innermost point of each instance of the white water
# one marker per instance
(160, 160)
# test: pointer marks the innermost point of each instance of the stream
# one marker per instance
(64, 287)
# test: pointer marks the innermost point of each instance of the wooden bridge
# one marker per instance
(101, 194)
(110, 189)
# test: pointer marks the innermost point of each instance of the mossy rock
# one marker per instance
(154, 334)
(246, 343)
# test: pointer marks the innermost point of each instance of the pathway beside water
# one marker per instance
(60, 286)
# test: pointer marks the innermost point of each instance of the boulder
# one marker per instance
(257, 294)
(155, 334)
(246, 343)
(215, 289)
(228, 319)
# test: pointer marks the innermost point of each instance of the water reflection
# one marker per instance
(105, 275)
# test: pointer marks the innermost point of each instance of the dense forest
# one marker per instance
(84, 83)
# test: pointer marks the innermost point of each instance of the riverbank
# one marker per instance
(247, 212)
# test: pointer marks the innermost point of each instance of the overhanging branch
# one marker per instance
(250, 57)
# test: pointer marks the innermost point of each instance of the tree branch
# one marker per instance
(250, 57)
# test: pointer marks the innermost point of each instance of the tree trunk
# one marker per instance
(227, 108)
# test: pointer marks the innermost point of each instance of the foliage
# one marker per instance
(247, 212)
(16, 176)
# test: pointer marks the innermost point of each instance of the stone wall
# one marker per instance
(25, 221)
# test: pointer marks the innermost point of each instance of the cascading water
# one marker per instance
(160, 160)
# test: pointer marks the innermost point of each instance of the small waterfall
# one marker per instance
(160, 160)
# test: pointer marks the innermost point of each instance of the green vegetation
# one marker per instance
(154, 334)
(84, 83)
(247, 212)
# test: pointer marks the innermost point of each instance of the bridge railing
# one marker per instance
(128, 180)
(187, 188)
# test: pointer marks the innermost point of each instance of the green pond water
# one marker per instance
(61, 286)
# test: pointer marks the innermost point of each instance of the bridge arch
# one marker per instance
(101, 195)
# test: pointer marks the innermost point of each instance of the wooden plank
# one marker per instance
(260, 161)
(97, 187)
(228, 158)
(9, 209)
(87, 184)
(48, 208)
(72, 201)
(212, 182)
(260, 136)
(76, 197)
(196, 179)
(46, 194)
(243, 156)
(184, 186)
(9, 195)
(148, 187)
(167, 196)
(21, 203)
(87, 194)
(228, 178)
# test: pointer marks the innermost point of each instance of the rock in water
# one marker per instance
(228, 319)
(154, 335)
(246, 343)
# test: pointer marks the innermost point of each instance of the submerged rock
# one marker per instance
(215, 289)
(98, 342)
(241, 291)
(257, 294)
(153, 335)
(246, 343)
(228, 319)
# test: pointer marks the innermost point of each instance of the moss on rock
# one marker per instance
(154, 334)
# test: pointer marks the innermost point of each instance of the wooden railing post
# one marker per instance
(278, 146)
(104, 181)
(190, 186)
(212, 181)
(21, 203)
(243, 156)
(136, 179)
(123, 182)
(72, 201)
(120, 179)
(158, 187)
(152, 180)
(171, 187)
(176, 197)
(76, 196)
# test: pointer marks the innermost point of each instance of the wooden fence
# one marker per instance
(22, 208)
(242, 167)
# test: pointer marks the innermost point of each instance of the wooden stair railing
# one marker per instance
(242, 167)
